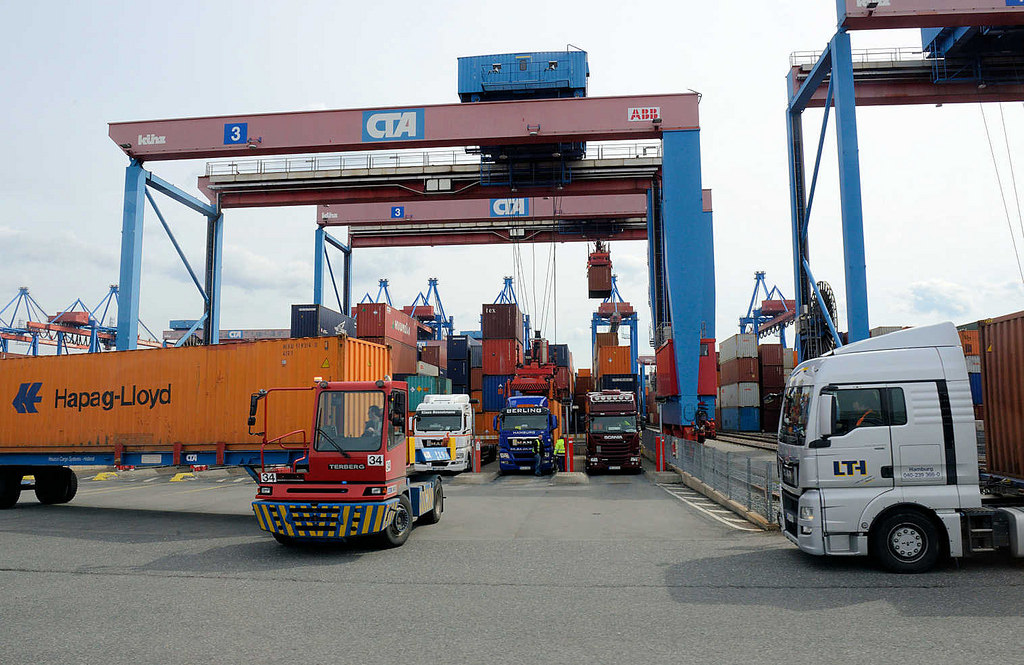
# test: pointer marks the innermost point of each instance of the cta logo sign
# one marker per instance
(27, 398)
(510, 207)
(396, 125)
(643, 113)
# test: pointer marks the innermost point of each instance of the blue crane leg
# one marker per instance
(129, 283)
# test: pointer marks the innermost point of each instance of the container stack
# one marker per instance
(613, 365)
(501, 352)
(739, 392)
(971, 343)
(383, 324)
(435, 354)
(565, 375)
(775, 364)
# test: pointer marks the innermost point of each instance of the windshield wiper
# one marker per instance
(331, 441)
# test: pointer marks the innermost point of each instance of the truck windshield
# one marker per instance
(518, 422)
(350, 421)
(795, 409)
(439, 422)
(613, 424)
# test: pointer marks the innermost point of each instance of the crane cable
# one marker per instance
(1002, 194)
(1013, 175)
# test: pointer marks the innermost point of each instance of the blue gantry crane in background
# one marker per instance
(431, 312)
(771, 315)
(382, 292)
(615, 313)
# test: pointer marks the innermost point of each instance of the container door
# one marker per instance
(857, 464)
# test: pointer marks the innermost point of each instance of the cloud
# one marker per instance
(939, 297)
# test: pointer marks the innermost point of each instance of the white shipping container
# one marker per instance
(788, 360)
(743, 345)
(426, 369)
(739, 395)
(973, 364)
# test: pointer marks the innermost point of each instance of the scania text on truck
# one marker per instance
(355, 475)
(878, 455)
(613, 434)
(524, 421)
(438, 420)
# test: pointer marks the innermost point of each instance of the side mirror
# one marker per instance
(552, 423)
(825, 406)
(474, 401)
(398, 420)
(495, 423)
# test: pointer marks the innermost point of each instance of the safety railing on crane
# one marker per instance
(405, 158)
(874, 56)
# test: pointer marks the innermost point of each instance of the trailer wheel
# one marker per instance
(10, 488)
(401, 525)
(906, 542)
(56, 486)
(434, 516)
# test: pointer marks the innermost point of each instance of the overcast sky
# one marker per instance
(938, 243)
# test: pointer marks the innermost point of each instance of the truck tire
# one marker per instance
(55, 486)
(398, 531)
(10, 488)
(285, 540)
(434, 516)
(906, 542)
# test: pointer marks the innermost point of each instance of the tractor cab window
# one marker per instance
(350, 421)
(396, 423)
(613, 424)
(859, 407)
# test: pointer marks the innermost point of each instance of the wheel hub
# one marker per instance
(907, 543)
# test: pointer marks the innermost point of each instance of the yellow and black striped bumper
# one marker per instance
(324, 520)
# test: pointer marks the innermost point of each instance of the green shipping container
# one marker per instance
(421, 386)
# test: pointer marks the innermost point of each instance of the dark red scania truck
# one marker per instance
(613, 434)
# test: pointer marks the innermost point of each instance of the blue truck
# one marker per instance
(523, 421)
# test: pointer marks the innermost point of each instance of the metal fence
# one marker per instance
(749, 482)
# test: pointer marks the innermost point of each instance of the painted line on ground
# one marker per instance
(686, 497)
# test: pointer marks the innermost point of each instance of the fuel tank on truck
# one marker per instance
(159, 399)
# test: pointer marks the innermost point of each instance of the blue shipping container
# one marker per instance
(494, 397)
(559, 354)
(458, 348)
(458, 371)
(504, 76)
(742, 419)
(975, 388)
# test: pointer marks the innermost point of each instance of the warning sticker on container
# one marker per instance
(326, 364)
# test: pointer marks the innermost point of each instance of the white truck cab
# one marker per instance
(878, 455)
(437, 419)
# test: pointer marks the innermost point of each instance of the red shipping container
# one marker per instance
(70, 318)
(562, 378)
(667, 385)
(607, 308)
(476, 378)
(774, 377)
(422, 311)
(770, 354)
(1002, 378)
(501, 356)
(434, 352)
(607, 339)
(501, 322)
(739, 370)
(770, 307)
(403, 356)
(382, 321)
(584, 384)
(599, 275)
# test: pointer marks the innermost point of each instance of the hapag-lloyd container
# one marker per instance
(743, 345)
(380, 320)
(1002, 375)
(502, 322)
(192, 397)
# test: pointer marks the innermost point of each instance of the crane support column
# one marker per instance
(850, 187)
(319, 250)
(687, 239)
(214, 254)
(131, 256)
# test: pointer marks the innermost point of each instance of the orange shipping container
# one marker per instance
(607, 339)
(583, 373)
(485, 424)
(189, 399)
(613, 360)
(969, 340)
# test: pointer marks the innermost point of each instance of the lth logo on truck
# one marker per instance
(850, 467)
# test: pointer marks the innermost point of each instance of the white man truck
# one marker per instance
(878, 455)
(440, 418)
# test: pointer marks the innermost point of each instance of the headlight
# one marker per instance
(807, 513)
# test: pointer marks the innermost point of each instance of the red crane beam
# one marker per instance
(480, 238)
(489, 123)
(929, 14)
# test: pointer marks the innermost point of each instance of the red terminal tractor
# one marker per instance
(351, 473)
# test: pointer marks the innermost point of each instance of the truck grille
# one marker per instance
(790, 510)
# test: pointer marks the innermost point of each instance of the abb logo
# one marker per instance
(641, 114)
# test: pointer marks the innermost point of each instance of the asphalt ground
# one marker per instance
(519, 570)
